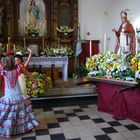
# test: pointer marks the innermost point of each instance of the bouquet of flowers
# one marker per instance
(32, 30)
(42, 85)
(110, 65)
(65, 29)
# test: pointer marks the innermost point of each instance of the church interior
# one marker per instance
(85, 57)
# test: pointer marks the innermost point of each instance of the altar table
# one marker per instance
(44, 61)
(122, 105)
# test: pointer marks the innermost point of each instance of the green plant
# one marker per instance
(81, 71)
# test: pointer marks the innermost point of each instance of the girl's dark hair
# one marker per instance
(19, 57)
(9, 62)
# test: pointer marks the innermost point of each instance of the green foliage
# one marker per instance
(81, 71)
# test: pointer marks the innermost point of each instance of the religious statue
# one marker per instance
(34, 11)
(125, 36)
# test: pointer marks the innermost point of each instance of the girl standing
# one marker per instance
(19, 61)
(16, 116)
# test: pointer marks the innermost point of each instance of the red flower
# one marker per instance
(10, 52)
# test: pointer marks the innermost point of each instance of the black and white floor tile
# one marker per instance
(80, 122)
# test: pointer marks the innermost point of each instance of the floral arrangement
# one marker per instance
(110, 65)
(32, 30)
(57, 50)
(65, 29)
(43, 83)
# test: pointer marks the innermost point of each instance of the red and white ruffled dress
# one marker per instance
(16, 116)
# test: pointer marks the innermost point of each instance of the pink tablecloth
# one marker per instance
(123, 105)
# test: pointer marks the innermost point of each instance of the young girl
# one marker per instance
(16, 116)
(19, 61)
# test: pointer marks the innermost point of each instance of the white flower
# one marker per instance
(93, 73)
(128, 78)
(19, 53)
(122, 67)
(137, 75)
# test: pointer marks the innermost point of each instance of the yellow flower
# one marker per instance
(109, 67)
(139, 65)
(133, 64)
(115, 65)
(133, 60)
(90, 63)
(49, 82)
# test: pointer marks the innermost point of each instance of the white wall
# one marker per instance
(89, 13)
(93, 19)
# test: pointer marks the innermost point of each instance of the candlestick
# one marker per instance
(43, 43)
(105, 43)
(90, 48)
(24, 42)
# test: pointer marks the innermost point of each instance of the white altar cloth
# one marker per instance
(44, 61)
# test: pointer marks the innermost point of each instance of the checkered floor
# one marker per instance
(80, 122)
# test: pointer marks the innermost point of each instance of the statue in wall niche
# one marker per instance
(34, 11)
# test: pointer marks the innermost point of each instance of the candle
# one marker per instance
(40, 28)
(9, 40)
(58, 40)
(90, 48)
(105, 43)
(43, 43)
(24, 42)
(7, 47)
(44, 26)
(137, 44)
(14, 47)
